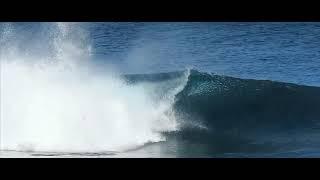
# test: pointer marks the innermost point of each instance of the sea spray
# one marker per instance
(59, 104)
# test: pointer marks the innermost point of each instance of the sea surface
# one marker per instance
(236, 89)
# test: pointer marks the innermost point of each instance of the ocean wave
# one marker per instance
(230, 114)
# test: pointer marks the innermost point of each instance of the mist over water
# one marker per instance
(52, 99)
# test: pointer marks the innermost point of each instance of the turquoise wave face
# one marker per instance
(227, 114)
(227, 102)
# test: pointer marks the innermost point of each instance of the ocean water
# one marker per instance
(160, 89)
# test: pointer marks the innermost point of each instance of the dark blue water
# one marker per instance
(287, 52)
(279, 51)
(246, 118)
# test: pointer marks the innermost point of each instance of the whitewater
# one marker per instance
(56, 102)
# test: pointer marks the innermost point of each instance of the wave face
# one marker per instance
(229, 114)
(223, 102)
(226, 102)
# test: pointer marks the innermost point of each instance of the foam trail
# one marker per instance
(59, 104)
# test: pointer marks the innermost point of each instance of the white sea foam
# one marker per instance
(58, 103)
